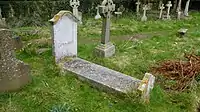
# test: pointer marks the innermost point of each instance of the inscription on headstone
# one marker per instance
(64, 32)
(106, 48)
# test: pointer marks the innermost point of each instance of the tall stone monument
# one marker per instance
(106, 48)
(14, 74)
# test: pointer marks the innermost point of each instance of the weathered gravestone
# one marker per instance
(119, 11)
(75, 4)
(144, 17)
(13, 73)
(138, 7)
(161, 11)
(146, 86)
(64, 35)
(169, 5)
(65, 47)
(98, 16)
(106, 48)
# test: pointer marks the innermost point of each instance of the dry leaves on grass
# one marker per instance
(182, 72)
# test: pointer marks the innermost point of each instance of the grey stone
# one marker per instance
(144, 17)
(14, 74)
(161, 11)
(169, 5)
(138, 7)
(106, 8)
(101, 77)
(105, 50)
(75, 4)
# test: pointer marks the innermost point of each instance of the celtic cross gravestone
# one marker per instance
(106, 48)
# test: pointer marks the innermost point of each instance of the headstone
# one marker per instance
(138, 7)
(182, 32)
(106, 48)
(119, 12)
(179, 6)
(187, 8)
(64, 32)
(98, 16)
(11, 12)
(14, 74)
(169, 5)
(75, 4)
(0, 13)
(144, 17)
(161, 11)
(146, 86)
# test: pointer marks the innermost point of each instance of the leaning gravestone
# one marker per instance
(13, 73)
(106, 48)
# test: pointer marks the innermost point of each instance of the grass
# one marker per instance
(51, 91)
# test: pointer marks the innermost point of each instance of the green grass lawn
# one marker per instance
(139, 45)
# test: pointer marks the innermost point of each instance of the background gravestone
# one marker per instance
(13, 72)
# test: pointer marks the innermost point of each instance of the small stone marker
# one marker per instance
(144, 17)
(119, 12)
(106, 48)
(187, 8)
(98, 16)
(138, 7)
(14, 74)
(169, 5)
(146, 86)
(75, 4)
(64, 35)
(161, 11)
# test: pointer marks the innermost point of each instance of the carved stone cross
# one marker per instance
(98, 16)
(144, 17)
(138, 7)
(106, 8)
(169, 5)
(161, 11)
(106, 48)
(75, 4)
(187, 8)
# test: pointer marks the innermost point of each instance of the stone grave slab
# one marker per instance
(102, 77)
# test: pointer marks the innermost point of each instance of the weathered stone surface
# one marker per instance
(106, 8)
(105, 50)
(102, 77)
(17, 43)
(13, 73)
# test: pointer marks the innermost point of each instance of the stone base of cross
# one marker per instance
(105, 50)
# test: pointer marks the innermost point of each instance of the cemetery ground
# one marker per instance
(139, 46)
